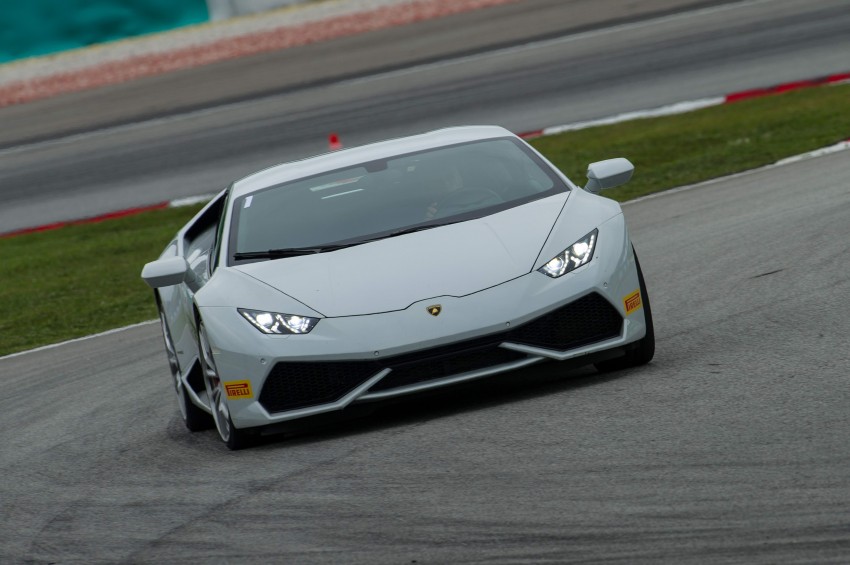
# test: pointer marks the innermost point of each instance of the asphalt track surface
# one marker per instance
(730, 447)
(600, 59)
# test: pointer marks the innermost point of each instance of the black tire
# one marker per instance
(195, 418)
(645, 349)
(232, 437)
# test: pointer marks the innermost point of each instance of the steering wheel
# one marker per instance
(468, 198)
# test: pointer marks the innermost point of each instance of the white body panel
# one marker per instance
(391, 274)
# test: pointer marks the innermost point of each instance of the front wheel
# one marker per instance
(645, 349)
(232, 437)
(194, 418)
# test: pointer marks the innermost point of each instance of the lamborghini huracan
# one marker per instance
(390, 269)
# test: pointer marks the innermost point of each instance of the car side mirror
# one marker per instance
(167, 272)
(608, 174)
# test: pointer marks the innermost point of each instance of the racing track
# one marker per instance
(599, 72)
(730, 447)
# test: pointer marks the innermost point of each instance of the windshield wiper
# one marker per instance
(412, 229)
(290, 252)
(418, 228)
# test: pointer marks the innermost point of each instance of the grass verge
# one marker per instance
(84, 279)
(80, 279)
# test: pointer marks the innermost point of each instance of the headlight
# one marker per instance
(273, 323)
(578, 254)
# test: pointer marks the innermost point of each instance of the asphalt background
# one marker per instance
(640, 65)
(731, 447)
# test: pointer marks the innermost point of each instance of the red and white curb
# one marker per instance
(668, 110)
(178, 203)
(691, 106)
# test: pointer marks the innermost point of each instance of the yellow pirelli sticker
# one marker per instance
(238, 389)
(632, 302)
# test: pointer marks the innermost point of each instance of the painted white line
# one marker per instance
(669, 110)
(78, 339)
(841, 146)
(191, 200)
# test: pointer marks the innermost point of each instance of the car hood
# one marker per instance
(393, 273)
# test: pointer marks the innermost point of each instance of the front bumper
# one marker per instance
(362, 358)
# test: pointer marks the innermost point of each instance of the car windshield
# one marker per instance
(388, 197)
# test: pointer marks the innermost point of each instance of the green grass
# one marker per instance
(80, 279)
(688, 148)
(84, 279)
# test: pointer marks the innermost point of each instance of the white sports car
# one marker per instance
(389, 269)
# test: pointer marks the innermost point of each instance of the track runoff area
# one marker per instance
(334, 142)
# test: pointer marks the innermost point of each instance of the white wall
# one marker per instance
(222, 9)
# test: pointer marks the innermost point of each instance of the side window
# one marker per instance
(216, 252)
(199, 239)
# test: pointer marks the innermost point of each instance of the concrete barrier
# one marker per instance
(223, 9)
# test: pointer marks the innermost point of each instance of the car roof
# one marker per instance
(350, 157)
